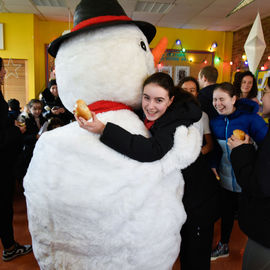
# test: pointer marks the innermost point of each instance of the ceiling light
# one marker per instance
(50, 3)
(240, 5)
(152, 7)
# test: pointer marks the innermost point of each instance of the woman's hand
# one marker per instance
(61, 110)
(208, 147)
(234, 142)
(96, 126)
(57, 110)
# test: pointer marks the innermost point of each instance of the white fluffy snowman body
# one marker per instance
(89, 207)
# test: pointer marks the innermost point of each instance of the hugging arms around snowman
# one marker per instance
(164, 109)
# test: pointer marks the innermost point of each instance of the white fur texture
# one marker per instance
(89, 207)
(105, 64)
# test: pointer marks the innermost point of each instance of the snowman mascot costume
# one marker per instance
(90, 207)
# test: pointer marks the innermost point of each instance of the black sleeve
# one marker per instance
(137, 147)
(30, 135)
(29, 138)
(9, 134)
(207, 105)
(243, 159)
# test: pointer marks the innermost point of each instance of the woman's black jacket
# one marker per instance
(154, 148)
(252, 171)
(30, 136)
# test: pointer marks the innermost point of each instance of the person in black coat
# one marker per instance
(33, 122)
(53, 106)
(201, 201)
(252, 168)
(10, 137)
(207, 80)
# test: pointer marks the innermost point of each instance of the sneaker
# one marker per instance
(221, 251)
(18, 250)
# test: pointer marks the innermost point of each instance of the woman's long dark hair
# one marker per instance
(1, 62)
(165, 81)
(238, 81)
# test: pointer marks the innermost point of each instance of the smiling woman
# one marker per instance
(252, 173)
(232, 115)
(246, 86)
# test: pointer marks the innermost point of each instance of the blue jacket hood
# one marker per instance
(248, 105)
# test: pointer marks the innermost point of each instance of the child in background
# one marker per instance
(14, 109)
(34, 121)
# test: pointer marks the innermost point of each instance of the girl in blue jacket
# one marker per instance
(233, 115)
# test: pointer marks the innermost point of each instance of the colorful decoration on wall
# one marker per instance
(185, 62)
(173, 54)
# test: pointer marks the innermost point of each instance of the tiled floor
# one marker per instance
(28, 262)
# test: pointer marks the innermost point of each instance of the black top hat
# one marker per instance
(94, 14)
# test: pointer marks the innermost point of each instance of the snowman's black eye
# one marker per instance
(143, 45)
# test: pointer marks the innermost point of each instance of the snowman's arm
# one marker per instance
(138, 147)
(186, 149)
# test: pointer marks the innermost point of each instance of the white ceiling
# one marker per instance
(188, 14)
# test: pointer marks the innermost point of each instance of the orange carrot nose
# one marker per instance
(159, 50)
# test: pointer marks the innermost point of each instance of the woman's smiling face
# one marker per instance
(223, 102)
(155, 101)
(246, 84)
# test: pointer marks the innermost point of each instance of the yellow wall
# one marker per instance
(201, 40)
(45, 33)
(25, 37)
(19, 42)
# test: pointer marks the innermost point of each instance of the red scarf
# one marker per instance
(105, 106)
(148, 123)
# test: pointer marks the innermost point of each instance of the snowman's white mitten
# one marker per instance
(186, 148)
